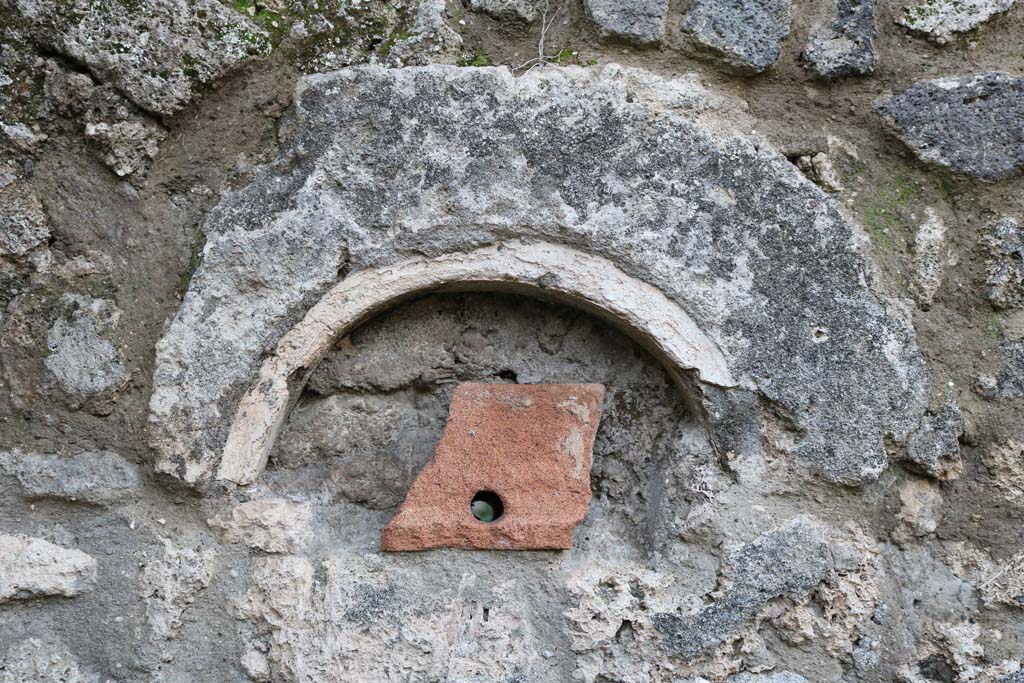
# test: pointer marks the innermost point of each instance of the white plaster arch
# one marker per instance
(540, 269)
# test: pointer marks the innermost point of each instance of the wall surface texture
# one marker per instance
(249, 248)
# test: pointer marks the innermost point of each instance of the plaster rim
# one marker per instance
(540, 269)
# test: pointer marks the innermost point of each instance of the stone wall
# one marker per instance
(248, 249)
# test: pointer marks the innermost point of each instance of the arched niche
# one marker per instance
(544, 270)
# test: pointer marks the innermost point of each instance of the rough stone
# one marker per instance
(274, 525)
(525, 11)
(157, 53)
(82, 359)
(1005, 281)
(22, 137)
(529, 444)
(934, 447)
(367, 439)
(846, 47)
(774, 677)
(100, 478)
(277, 245)
(930, 258)
(1006, 463)
(1006, 584)
(787, 562)
(127, 146)
(31, 568)
(1009, 383)
(941, 20)
(169, 584)
(921, 507)
(971, 124)
(23, 225)
(744, 34)
(36, 660)
(634, 21)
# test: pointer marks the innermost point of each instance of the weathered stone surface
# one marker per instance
(786, 562)
(157, 53)
(1005, 266)
(1016, 677)
(846, 47)
(100, 478)
(366, 439)
(971, 124)
(774, 677)
(169, 584)
(633, 21)
(730, 231)
(36, 660)
(530, 444)
(1006, 584)
(32, 568)
(82, 359)
(124, 137)
(22, 137)
(1009, 383)
(518, 10)
(1006, 463)
(930, 257)
(23, 225)
(744, 34)
(274, 525)
(921, 507)
(934, 447)
(941, 20)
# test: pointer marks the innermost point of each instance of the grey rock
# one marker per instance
(274, 525)
(934, 447)
(22, 137)
(128, 145)
(774, 677)
(1005, 266)
(641, 22)
(32, 568)
(158, 53)
(169, 584)
(99, 478)
(759, 256)
(370, 441)
(931, 255)
(745, 34)
(787, 562)
(847, 46)
(23, 225)
(81, 358)
(941, 20)
(37, 660)
(1016, 677)
(1009, 383)
(517, 10)
(971, 124)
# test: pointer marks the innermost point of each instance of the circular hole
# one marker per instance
(487, 506)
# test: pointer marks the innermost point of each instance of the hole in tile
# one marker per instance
(487, 506)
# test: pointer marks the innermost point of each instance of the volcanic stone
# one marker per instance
(847, 47)
(972, 124)
(745, 34)
(633, 21)
(940, 20)
(530, 445)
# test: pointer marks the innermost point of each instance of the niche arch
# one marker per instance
(542, 270)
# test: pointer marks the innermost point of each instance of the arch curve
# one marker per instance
(539, 269)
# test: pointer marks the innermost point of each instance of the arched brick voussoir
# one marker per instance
(382, 170)
(548, 270)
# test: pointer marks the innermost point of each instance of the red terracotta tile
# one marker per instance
(528, 443)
